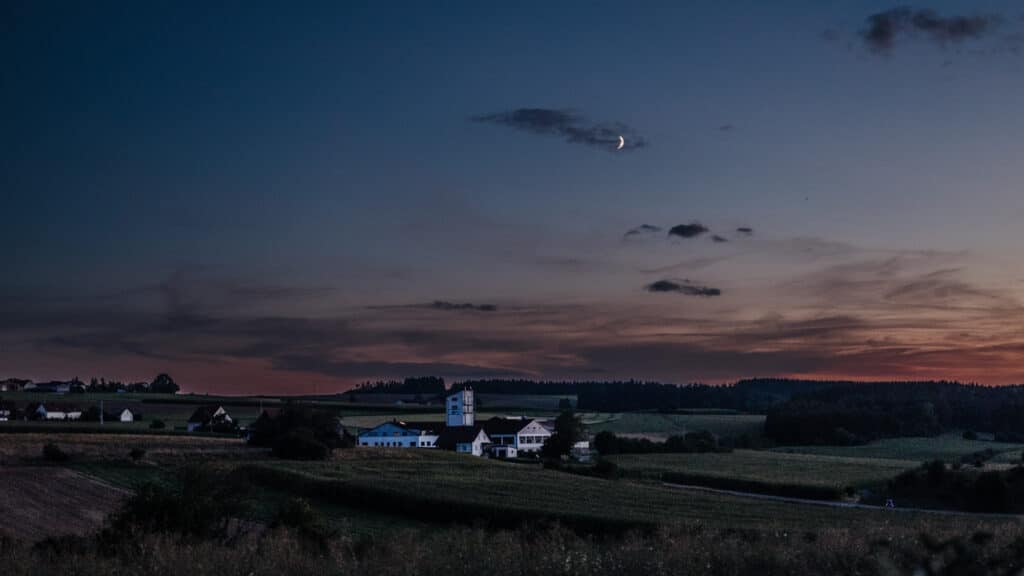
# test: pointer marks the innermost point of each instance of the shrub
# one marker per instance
(300, 444)
(136, 454)
(299, 516)
(53, 453)
(157, 425)
(606, 469)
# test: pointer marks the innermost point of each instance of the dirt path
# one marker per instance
(41, 501)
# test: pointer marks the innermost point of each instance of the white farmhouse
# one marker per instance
(55, 411)
(523, 434)
(126, 416)
(209, 417)
(463, 439)
(399, 435)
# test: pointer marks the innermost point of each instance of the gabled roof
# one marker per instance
(452, 436)
(411, 427)
(506, 426)
(204, 414)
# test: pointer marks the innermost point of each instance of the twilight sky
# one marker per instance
(265, 198)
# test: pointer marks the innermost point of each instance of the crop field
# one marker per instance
(450, 482)
(947, 447)
(17, 448)
(39, 501)
(768, 468)
(656, 426)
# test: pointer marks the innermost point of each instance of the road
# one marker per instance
(833, 503)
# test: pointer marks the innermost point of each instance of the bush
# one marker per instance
(157, 425)
(53, 453)
(300, 444)
(310, 525)
(136, 454)
(606, 469)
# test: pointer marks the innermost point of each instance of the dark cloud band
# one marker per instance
(568, 125)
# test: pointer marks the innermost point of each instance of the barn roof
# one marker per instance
(204, 414)
(505, 426)
(452, 436)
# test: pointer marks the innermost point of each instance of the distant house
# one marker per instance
(53, 411)
(523, 434)
(399, 435)
(209, 417)
(13, 385)
(54, 387)
(126, 416)
(8, 410)
(463, 439)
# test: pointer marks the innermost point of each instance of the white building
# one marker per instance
(463, 439)
(57, 412)
(126, 416)
(523, 434)
(209, 417)
(398, 435)
(460, 409)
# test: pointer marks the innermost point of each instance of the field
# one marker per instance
(657, 426)
(947, 447)
(40, 501)
(765, 471)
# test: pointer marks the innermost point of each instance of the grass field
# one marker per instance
(452, 481)
(40, 501)
(660, 426)
(768, 468)
(947, 447)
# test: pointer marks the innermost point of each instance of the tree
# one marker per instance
(163, 384)
(568, 431)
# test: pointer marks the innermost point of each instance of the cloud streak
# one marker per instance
(691, 230)
(684, 287)
(883, 29)
(568, 125)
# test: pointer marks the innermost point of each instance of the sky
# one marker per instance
(260, 198)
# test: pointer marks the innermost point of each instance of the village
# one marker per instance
(502, 437)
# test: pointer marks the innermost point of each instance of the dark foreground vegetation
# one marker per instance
(198, 526)
(961, 487)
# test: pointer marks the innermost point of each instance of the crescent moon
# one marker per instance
(622, 142)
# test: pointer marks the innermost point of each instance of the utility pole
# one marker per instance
(101, 412)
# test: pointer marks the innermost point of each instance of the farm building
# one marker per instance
(53, 411)
(497, 437)
(463, 439)
(13, 385)
(522, 434)
(399, 435)
(55, 387)
(209, 417)
(126, 416)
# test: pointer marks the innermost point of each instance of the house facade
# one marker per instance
(209, 418)
(54, 411)
(398, 435)
(523, 434)
(463, 439)
(459, 407)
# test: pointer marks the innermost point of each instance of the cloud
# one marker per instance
(884, 28)
(691, 230)
(682, 287)
(567, 125)
(719, 239)
(444, 305)
(642, 230)
(746, 231)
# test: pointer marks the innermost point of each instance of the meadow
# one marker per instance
(948, 447)
(658, 426)
(764, 471)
